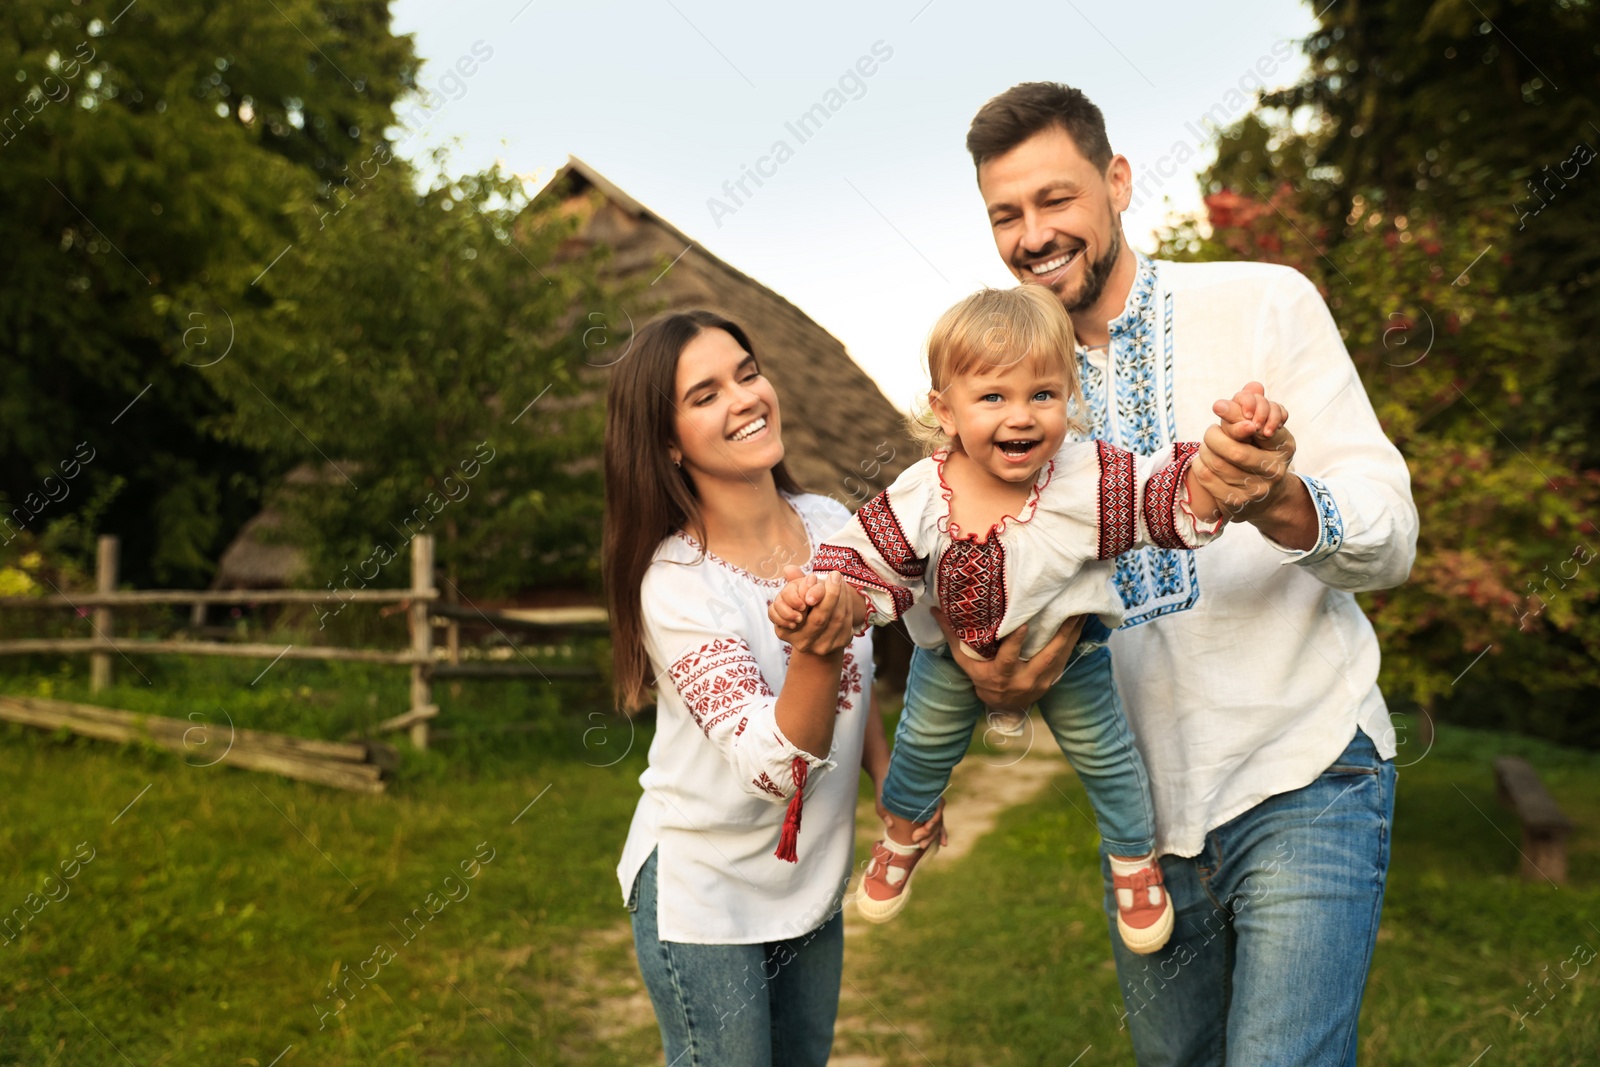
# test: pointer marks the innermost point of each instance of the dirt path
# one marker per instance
(983, 786)
(602, 981)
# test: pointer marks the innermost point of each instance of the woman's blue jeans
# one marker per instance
(1082, 710)
(761, 1005)
(1276, 921)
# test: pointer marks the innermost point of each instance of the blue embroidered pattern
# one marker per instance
(1331, 534)
(1152, 581)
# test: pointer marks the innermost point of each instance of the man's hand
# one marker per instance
(1008, 682)
(923, 831)
(1250, 482)
(1250, 416)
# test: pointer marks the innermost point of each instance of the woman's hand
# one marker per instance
(827, 629)
(1008, 682)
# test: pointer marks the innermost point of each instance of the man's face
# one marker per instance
(1056, 216)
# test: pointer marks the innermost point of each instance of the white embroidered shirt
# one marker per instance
(1247, 668)
(721, 771)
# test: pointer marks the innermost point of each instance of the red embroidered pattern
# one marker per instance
(767, 784)
(717, 679)
(972, 591)
(1117, 529)
(849, 681)
(1161, 497)
(855, 569)
(889, 538)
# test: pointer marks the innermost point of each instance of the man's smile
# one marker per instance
(1054, 265)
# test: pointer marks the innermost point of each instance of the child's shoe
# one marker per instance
(886, 884)
(1144, 911)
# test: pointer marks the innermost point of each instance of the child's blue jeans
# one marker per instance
(1082, 710)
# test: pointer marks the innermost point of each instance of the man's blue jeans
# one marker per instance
(761, 1005)
(1082, 710)
(1276, 920)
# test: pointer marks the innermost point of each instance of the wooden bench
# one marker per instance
(1544, 826)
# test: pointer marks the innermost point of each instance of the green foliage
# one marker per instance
(414, 352)
(1439, 107)
(222, 272)
(148, 168)
(1385, 178)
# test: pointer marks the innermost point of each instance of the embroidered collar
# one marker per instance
(766, 583)
(1141, 303)
(1024, 513)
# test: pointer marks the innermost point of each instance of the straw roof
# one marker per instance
(843, 438)
(838, 427)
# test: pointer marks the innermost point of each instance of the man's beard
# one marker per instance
(1096, 274)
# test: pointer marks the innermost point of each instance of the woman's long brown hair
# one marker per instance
(647, 497)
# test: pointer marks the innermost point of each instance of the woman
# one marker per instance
(735, 912)
(741, 951)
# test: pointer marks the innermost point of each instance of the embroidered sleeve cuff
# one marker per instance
(1330, 526)
(886, 601)
(1194, 532)
(866, 620)
(773, 772)
(884, 606)
(785, 752)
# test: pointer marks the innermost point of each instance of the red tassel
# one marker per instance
(798, 768)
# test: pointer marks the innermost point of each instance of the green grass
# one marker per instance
(219, 903)
(1004, 960)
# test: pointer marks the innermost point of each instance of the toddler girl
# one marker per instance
(1009, 523)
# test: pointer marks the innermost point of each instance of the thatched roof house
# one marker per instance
(838, 427)
(843, 437)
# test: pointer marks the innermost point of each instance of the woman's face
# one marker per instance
(727, 412)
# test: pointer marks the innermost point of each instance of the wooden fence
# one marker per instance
(424, 605)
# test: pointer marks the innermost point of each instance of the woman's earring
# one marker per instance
(678, 463)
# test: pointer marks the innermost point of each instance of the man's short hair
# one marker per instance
(1033, 107)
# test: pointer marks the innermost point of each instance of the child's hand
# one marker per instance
(1248, 418)
(788, 609)
(795, 600)
(1250, 415)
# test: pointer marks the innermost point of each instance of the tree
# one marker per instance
(417, 354)
(150, 167)
(1439, 107)
(1388, 177)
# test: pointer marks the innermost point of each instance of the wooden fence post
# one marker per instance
(421, 634)
(105, 581)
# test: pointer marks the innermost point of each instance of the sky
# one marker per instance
(870, 222)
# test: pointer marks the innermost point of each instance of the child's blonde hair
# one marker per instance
(1000, 328)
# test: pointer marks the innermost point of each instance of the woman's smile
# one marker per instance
(750, 431)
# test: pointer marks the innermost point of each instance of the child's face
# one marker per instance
(1008, 420)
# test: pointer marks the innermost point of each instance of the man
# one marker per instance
(1247, 670)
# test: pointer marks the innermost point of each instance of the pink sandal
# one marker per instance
(883, 894)
(1145, 921)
